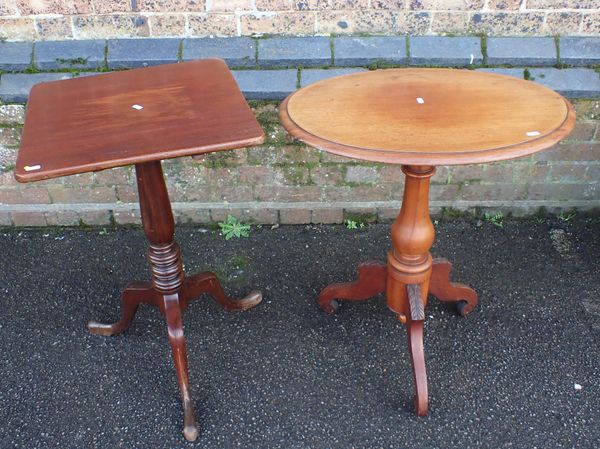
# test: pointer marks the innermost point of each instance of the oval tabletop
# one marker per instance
(428, 116)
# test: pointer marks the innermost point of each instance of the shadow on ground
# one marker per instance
(285, 375)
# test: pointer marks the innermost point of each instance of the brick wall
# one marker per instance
(285, 181)
(88, 19)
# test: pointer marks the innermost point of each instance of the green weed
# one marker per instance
(232, 228)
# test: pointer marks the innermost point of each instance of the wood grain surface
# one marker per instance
(428, 116)
(127, 117)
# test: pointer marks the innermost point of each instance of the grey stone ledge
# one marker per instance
(516, 72)
(573, 83)
(536, 51)
(309, 76)
(357, 51)
(294, 52)
(15, 87)
(445, 51)
(266, 84)
(236, 51)
(580, 50)
(15, 56)
(51, 55)
(132, 53)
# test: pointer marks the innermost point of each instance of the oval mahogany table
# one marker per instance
(421, 118)
(140, 117)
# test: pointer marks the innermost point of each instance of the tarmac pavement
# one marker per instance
(521, 371)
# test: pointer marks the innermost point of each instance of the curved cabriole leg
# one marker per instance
(372, 278)
(444, 290)
(177, 341)
(134, 294)
(207, 282)
(415, 346)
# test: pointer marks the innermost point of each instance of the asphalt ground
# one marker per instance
(285, 374)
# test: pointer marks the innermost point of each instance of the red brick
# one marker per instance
(10, 136)
(388, 213)
(290, 23)
(256, 175)
(7, 179)
(131, 216)
(392, 174)
(5, 219)
(484, 192)
(273, 5)
(192, 216)
(583, 132)
(443, 192)
(95, 217)
(567, 173)
(232, 194)
(257, 216)
(563, 192)
(62, 218)
(10, 196)
(28, 218)
(170, 5)
(113, 176)
(295, 216)
(82, 179)
(67, 195)
(30, 7)
(324, 216)
(221, 176)
(287, 193)
(462, 173)
(292, 175)
(34, 195)
(359, 193)
(127, 194)
(327, 175)
(571, 152)
(334, 158)
(368, 214)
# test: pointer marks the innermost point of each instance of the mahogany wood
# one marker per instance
(169, 289)
(444, 290)
(140, 117)
(91, 123)
(371, 281)
(465, 116)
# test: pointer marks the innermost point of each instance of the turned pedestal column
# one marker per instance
(169, 289)
(410, 273)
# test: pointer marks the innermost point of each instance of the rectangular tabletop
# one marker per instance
(97, 122)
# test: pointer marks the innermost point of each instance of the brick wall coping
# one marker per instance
(271, 68)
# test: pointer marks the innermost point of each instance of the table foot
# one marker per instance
(207, 282)
(444, 290)
(415, 346)
(371, 281)
(172, 308)
(134, 294)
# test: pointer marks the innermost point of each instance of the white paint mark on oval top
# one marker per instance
(420, 100)
(137, 107)
(32, 167)
(532, 133)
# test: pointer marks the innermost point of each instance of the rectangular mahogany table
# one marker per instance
(141, 117)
